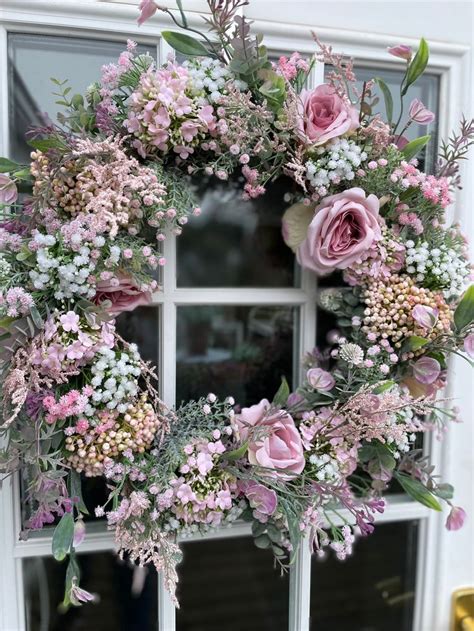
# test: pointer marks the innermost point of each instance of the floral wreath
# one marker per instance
(110, 181)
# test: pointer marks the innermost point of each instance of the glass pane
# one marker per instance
(128, 595)
(374, 589)
(235, 350)
(231, 585)
(236, 243)
(33, 60)
(142, 327)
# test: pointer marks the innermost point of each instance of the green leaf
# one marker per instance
(444, 491)
(43, 144)
(464, 314)
(414, 343)
(6, 165)
(73, 572)
(415, 146)
(77, 101)
(23, 174)
(258, 528)
(75, 490)
(36, 317)
(387, 95)
(417, 65)
(237, 453)
(6, 321)
(281, 397)
(63, 536)
(418, 491)
(185, 44)
(383, 387)
(262, 541)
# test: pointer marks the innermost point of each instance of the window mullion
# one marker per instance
(300, 583)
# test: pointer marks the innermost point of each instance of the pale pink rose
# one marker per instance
(124, 296)
(326, 115)
(320, 379)
(148, 8)
(343, 229)
(420, 114)
(426, 370)
(425, 316)
(456, 518)
(402, 51)
(8, 190)
(274, 441)
(469, 345)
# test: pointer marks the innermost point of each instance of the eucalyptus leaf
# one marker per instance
(185, 44)
(262, 541)
(63, 536)
(464, 314)
(411, 149)
(444, 491)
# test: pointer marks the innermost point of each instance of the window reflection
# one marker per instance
(373, 590)
(128, 595)
(234, 350)
(231, 585)
(236, 243)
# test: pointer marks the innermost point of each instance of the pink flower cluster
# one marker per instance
(73, 403)
(290, 67)
(164, 116)
(16, 302)
(204, 493)
(436, 190)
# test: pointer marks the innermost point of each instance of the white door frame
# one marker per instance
(438, 575)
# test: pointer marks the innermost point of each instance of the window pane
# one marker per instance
(235, 350)
(128, 595)
(231, 585)
(374, 589)
(33, 60)
(236, 243)
(141, 326)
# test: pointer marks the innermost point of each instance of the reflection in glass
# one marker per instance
(241, 351)
(128, 595)
(231, 585)
(33, 60)
(373, 590)
(236, 243)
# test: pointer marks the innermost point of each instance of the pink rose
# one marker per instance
(456, 518)
(8, 190)
(274, 441)
(262, 499)
(343, 229)
(402, 51)
(326, 115)
(124, 296)
(320, 379)
(420, 114)
(147, 9)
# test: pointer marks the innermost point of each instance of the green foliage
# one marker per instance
(418, 491)
(414, 343)
(417, 65)
(185, 44)
(415, 146)
(387, 95)
(281, 397)
(63, 537)
(464, 314)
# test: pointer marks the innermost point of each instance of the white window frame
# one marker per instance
(113, 21)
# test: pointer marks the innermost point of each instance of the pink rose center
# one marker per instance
(324, 111)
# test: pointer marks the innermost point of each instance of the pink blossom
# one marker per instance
(261, 498)
(274, 441)
(124, 296)
(425, 316)
(402, 51)
(420, 114)
(78, 595)
(79, 532)
(325, 114)
(469, 345)
(426, 370)
(320, 379)
(8, 190)
(456, 518)
(70, 322)
(344, 227)
(147, 8)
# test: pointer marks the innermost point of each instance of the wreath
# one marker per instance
(110, 181)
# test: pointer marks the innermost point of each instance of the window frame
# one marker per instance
(113, 21)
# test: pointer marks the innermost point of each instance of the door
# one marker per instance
(218, 325)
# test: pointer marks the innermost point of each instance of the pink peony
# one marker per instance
(147, 8)
(274, 441)
(8, 190)
(420, 114)
(326, 115)
(426, 370)
(124, 296)
(343, 229)
(320, 379)
(402, 51)
(456, 518)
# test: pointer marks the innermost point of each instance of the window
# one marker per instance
(234, 315)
